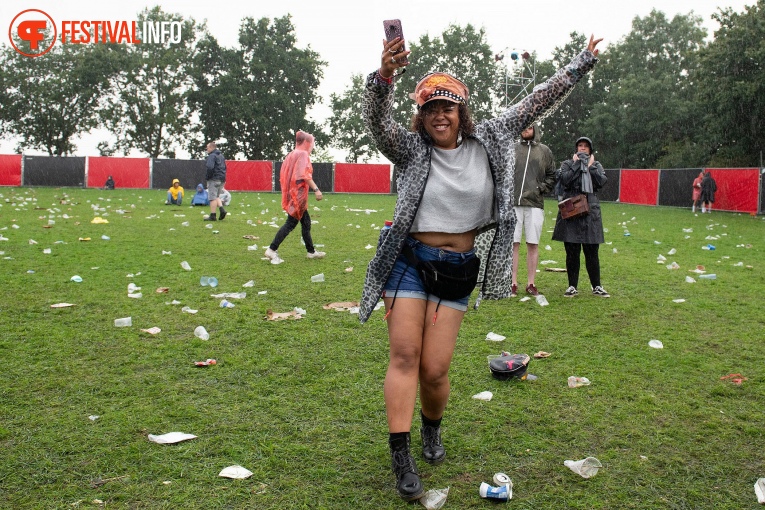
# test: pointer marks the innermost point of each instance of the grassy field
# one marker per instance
(299, 403)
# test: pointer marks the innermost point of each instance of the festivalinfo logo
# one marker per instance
(33, 32)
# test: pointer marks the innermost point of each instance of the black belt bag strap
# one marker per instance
(444, 279)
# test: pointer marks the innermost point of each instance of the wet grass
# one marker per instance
(299, 403)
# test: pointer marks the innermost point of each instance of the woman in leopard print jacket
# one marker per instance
(468, 170)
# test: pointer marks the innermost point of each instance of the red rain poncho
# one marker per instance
(295, 172)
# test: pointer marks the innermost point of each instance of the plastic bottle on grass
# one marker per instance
(123, 322)
(201, 332)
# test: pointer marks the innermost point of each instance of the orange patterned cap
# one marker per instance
(440, 86)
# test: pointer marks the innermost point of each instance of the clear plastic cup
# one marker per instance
(201, 332)
(123, 322)
(212, 281)
(185, 265)
(204, 281)
(317, 278)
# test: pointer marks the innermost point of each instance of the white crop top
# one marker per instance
(459, 195)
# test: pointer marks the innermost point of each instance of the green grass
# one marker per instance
(300, 403)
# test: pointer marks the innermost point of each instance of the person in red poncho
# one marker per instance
(296, 180)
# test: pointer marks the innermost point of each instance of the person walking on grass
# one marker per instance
(216, 178)
(455, 185)
(534, 177)
(296, 179)
(582, 175)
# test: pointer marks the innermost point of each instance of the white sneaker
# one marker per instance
(271, 254)
(316, 255)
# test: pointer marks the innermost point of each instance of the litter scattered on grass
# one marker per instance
(201, 333)
(688, 279)
(548, 262)
(317, 278)
(185, 265)
(736, 379)
(435, 499)
(62, 305)
(235, 473)
(274, 316)
(124, 322)
(163, 290)
(678, 300)
(349, 269)
(759, 490)
(152, 331)
(187, 309)
(542, 354)
(484, 395)
(576, 382)
(251, 283)
(524, 299)
(93, 417)
(556, 269)
(656, 344)
(171, 437)
(206, 363)
(76, 279)
(230, 295)
(99, 220)
(494, 337)
(586, 468)
(343, 306)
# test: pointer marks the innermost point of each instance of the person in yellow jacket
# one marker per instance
(175, 193)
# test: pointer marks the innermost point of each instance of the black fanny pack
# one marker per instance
(445, 279)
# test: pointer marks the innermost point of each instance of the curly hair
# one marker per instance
(467, 126)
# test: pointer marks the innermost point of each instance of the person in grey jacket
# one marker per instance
(582, 175)
(455, 180)
(216, 179)
(534, 177)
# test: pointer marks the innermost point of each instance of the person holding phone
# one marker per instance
(582, 175)
(455, 190)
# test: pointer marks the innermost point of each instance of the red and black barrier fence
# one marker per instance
(738, 189)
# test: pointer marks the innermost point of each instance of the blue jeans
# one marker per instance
(405, 282)
(170, 199)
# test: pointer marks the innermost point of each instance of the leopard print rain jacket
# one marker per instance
(411, 153)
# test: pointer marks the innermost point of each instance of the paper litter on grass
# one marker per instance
(494, 337)
(524, 299)
(342, 306)
(235, 473)
(230, 295)
(547, 262)
(251, 283)
(274, 316)
(171, 437)
(678, 300)
(152, 331)
(61, 305)
(484, 395)
(542, 354)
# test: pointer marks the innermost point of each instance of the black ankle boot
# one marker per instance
(433, 450)
(223, 213)
(408, 482)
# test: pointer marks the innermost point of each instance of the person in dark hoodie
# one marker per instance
(109, 183)
(216, 178)
(200, 198)
(708, 189)
(534, 177)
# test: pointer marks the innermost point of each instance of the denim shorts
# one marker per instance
(405, 278)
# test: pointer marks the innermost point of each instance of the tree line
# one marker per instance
(663, 96)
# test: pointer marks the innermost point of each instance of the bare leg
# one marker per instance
(516, 250)
(438, 345)
(532, 259)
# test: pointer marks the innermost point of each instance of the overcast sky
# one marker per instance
(347, 34)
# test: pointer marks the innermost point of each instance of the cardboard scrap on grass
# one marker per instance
(274, 316)
(343, 306)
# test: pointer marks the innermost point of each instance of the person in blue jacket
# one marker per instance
(200, 198)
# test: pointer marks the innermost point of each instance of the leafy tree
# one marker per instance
(732, 85)
(148, 109)
(347, 125)
(255, 97)
(460, 51)
(49, 100)
(648, 108)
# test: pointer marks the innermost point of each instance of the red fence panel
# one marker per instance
(126, 172)
(639, 187)
(249, 175)
(736, 189)
(10, 170)
(362, 178)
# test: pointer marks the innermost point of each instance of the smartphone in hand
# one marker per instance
(392, 30)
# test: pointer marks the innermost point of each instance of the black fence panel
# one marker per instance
(48, 171)
(676, 186)
(189, 171)
(323, 176)
(610, 192)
